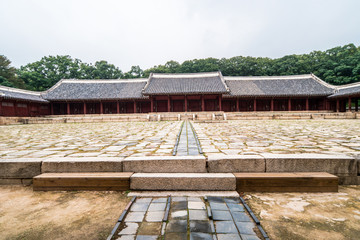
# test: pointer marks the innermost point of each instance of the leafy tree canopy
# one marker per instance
(339, 65)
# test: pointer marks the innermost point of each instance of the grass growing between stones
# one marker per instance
(58, 215)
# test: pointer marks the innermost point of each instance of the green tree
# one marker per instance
(135, 72)
(8, 74)
(43, 74)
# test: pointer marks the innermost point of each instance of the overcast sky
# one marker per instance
(150, 32)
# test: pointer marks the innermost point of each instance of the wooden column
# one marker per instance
(307, 104)
(237, 105)
(220, 103)
(134, 106)
(356, 104)
(28, 108)
(254, 104)
(337, 105)
(117, 107)
(169, 104)
(349, 104)
(68, 108)
(272, 105)
(84, 107)
(151, 104)
(185, 103)
(52, 108)
(202, 103)
(0, 108)
(101, 108)
(289, 104)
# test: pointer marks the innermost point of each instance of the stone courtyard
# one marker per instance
(124, 139)
(120, 139)
(280, 137)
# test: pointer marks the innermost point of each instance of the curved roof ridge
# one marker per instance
(355, 84)
(104, 80)
(319, 80)
(184, 75)
(285, 77)
(18, 90)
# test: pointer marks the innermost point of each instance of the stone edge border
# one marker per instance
(347, 168)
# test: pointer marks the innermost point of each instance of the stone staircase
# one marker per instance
(243, 173)
(241, 182)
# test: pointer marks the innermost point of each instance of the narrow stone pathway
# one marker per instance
(187, 143)
(187, 218)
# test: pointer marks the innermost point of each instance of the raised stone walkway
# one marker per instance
(187, 218)
(187, 144)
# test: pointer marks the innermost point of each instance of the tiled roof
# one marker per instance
(96, 90)
(347, 91)
(189, 83)
(278, 86)
(20, 94)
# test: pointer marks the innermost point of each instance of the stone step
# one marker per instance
(183, 181)
(165, 164)
(286, 182)
(100, 181)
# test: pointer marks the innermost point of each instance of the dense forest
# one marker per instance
(339, 65)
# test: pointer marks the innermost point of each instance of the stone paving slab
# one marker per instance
(107, 139)
(183, 181)
(82, 164)
(187, 222)
(168, 164)
(280, 137)
(24, 168)
(236, 163)
(336, 164)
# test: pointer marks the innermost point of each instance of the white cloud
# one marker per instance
(148, 33)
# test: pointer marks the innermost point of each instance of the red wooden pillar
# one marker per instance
(325, 107)
(84, 107)
(349, 104)
(169, 105)
(237, 105)
(52, 108)
(186, 103)
(151, 104)
(202, 103)
(68, 108)
(356, 105)
(117, 107)
(134, 106)
(28, 108)
(307, 104)
(272, 105)
(101, 108)
(254, 104)
(289, 104)
(0, 108)
(337, 105)
(220, 103)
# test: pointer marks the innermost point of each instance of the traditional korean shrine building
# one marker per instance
(189, 92)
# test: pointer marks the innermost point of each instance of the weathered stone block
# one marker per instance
(165, 164)
(236, 163)
(20, 168)
(335, 164)
(82, 164)
(183, 181)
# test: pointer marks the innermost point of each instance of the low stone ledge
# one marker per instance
(183, 181)
(335, 164)
(16, 181)
(82, 164)
(236, 163)
(20, 168)
(165, 164)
